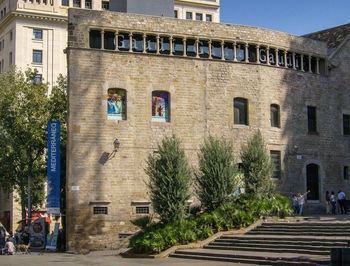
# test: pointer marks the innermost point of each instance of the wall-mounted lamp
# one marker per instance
(116, 144)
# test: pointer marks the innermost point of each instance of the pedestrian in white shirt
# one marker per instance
(341, 199)
(301, 202)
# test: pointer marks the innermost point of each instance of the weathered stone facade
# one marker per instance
(202, 92)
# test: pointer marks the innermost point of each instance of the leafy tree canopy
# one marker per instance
(25, 109)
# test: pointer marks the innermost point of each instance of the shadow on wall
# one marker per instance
(314, 150)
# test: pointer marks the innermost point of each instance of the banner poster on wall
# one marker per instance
(51, 239)
(53, 167)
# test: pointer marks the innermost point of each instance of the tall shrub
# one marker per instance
(170, 179)
(257, 167)
(215, 180)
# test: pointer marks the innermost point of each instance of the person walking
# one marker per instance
(295, 205)
(333, 202)
(328, 203)
(341, 199)
(301, 202)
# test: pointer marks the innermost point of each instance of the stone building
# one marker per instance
(194, 79)
(34, 34)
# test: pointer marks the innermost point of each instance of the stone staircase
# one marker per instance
(283, 243)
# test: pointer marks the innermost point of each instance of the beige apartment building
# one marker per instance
(33, 34)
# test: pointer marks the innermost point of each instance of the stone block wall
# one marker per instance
(201, 103)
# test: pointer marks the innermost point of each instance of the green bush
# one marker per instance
(242, 211)
(170, 180)
(257, 167)
(215, 180)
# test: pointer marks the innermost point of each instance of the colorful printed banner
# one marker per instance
(160, 106)
(116, 104)
(53, 168)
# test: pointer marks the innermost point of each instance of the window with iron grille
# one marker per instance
(100, 210)
(188, 15)
(142, 210)
(208, 17)
(276, 162)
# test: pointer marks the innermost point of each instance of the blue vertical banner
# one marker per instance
(53, 167)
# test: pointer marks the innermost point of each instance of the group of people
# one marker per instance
(11, 241)
(333, 201)
(298, 203)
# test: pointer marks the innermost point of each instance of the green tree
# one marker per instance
(257, 167)
(170, 180)
(25, 109)
(215, 180)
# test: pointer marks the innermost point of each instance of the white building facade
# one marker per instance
(202, 10)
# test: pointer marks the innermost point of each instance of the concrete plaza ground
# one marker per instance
(64, 259)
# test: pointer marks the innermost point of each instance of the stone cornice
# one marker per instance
(32, 15)
(206, 4)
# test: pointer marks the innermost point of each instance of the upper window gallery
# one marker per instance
(235, 51)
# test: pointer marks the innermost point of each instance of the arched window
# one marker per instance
(160, 106)
(275, 115)
(240, 111)
(116, 104)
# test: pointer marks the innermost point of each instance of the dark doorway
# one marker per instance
(312, 181)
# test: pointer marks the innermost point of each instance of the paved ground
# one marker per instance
(63, 259)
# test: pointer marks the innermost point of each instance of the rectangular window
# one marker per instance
(346, 124)
(276, 162)
(208, 17)
(88, 4)
(38, 78)
(76, 3)
(188, 15)
(346, 172)
(175, 14)
(199, 16)
(11, 35)
(105, 5)
(311, 119)
(37, 34)
(142, 210)
(65, 3)
(37, 56)
(100, 210)
(10, 58)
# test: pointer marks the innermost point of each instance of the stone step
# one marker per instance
(272, 246)
(324, 230)
(305, 227)
(284, 242)
(309, 224)
(330, 234)
(263, 259)
(274, 250)
(284, 238)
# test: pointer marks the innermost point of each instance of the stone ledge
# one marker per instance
(198, 244)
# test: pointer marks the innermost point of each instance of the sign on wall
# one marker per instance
(53, 167)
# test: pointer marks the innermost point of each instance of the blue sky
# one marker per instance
(296, 17)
